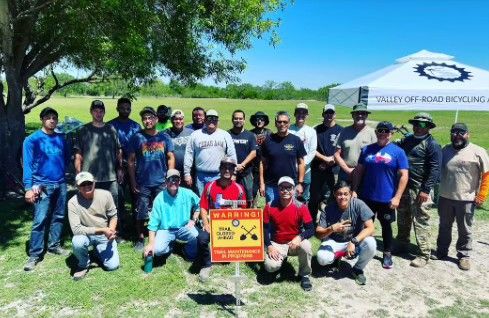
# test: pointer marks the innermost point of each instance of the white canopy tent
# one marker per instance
(421, 81)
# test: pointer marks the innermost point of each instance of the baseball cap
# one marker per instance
(84, 176)
(212, 112)
(177, 112)
(459, 127)
(97, 103)
(360, 108)
(172, 173)
(46, 111)
(302, 106)
(385, 125)
(286, 179)
(146, 110)
(329, 107)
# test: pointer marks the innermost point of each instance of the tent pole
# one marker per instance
(456, 115)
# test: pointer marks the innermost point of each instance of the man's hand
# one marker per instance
(423, 197)
(109, 233)
(295, 243)
(262, 189)
(149, 250)
(478, 202)
(395, 203)
(299, 189)
(349, 170)
(188, 181)
(135, 188)
(341, 226)
(274, 253)
(350, 249)
(31, 196)
(120, 175)
(240, 167)
(207, 227)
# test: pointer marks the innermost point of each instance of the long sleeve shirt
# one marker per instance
(309, 137)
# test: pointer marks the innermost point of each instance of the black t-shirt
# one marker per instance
(244, 143)
(261, 135)
(326, 141)
(357, 211)
(281, 155)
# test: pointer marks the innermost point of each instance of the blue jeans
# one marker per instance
(202, 178)
(165, 238)
(146, 196)
(50, 206)
(306, 195)
(105, 250)
(271, 193)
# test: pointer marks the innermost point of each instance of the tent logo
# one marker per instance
(442, 72)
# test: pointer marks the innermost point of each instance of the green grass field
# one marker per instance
(173, 289)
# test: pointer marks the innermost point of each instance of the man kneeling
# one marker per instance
(287, 217)
(93, 220)
(346, 228)
(175, 211)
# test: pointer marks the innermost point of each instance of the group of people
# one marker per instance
(329, 181)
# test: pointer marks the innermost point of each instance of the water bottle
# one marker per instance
(148, 264)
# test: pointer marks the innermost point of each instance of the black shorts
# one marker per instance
(381, 210)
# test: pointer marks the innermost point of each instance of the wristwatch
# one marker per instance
(355, 241)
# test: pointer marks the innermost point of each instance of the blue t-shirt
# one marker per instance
(281, 154)
(45, 157)
(244, 143)
(381, 165)
(173, 212)
(125, 130)
(151, 161)
(180, 140)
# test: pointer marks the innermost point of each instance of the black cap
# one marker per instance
(148, 110)
(97, 103)
(164, 110)
(459, 126)
(385, 125)
(46, 111)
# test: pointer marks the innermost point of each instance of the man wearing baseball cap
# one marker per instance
(150, 157)
(464, 186)
(93, 219)
(180, 136)
(288, 226)
(424, 156)
(351, 140)
(45, 156)
(173, 217)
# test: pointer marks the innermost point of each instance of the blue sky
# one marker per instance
(325, 41)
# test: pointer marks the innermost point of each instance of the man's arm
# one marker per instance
(30, 195)
(170, 157)
(247, 160)
(403, 180)
(204, 216)
(433, 166)
(131, 167)
(261, 171)
(342, 163)
(312, 145)
(78, 161)
(357, 178)
(301, 165)
(188, 160)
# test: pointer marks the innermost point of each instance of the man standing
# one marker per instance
(198, 119)
(309, 139)
(205, 150)
(45, 155)
(424, 156)
(464, 185)
(164, 114)
(260, 121)
(323, 166)
(217, 194)
(282, 155)
(180, 136)
(150, 156)
(382, 176)
(125, 128)
(98, 151)
(288, 226)
(351, 140)
(245, 144)
(174, 215)
(93, 220)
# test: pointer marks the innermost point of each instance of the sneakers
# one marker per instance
(464, 264)
(419, 262)
(31, 264)
(359, 276)
(80, 274)
(58, 250)
(204, 274)
(306, 283)
(139, 246)
(387, 262)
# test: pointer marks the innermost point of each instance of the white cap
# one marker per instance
(329, 107)
(177, 112)
(172, 173)
(286, 179)
(84, 176)
(211, 112)
(302, 106)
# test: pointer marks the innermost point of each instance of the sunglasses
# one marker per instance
(360, 114)
(420, 124)
(286, 188)
(212, 118)
(382, 131)
(458, 132)
(329, 112)
(173, 179)
(86, 184)
(228, 167)
(260, 118)
(281, 122)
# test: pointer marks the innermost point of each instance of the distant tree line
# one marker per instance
(271, 90)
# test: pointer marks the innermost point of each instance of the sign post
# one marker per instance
(237, 236)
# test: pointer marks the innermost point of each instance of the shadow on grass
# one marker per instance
(15, 215)
(225, 301)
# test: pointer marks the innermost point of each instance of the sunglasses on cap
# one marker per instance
(382, 131)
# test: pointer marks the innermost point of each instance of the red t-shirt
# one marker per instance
(286, 223)
(232, 192)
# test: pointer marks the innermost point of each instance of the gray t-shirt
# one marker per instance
(357, 211)
(99, 147)
(180, 140)
(351, 142)
(86, 216)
